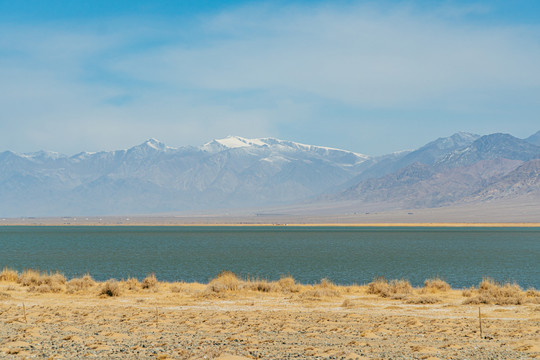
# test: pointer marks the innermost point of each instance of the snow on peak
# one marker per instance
(237, 141)
(155, 144)
(234, 142)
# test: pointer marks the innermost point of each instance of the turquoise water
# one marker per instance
(345, 255)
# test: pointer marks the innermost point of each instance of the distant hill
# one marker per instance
(496, 165)
(152, 177)
(235, 172)
(534, 139)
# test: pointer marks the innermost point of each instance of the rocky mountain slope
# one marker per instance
(492, 166)
(153, 177)
(236, 172)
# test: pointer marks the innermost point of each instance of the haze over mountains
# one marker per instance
(235, 172)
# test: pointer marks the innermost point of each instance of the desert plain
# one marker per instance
(43, 315)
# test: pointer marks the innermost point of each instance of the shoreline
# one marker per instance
(234, 319)
(359, 225)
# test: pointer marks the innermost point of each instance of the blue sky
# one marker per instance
(372, 77)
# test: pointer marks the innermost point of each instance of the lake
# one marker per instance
(345, 255)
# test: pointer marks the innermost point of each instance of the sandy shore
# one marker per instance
(235, 223)
(259, 320)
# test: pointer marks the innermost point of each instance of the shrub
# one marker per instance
(261, 285)
(29, 277)
(42, 282)
(435, 285)
(225, 281)
(288, 285)
(9, 275)
(80, 284)
(110, 288)
(468, 292)
(132, 283)
(325, 288)
(394, 289)
(150, 282)
(491, 292)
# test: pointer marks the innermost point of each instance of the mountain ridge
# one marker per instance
(236, 172)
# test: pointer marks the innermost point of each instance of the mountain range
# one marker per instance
(235, 172)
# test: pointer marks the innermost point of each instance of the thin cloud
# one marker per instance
(265, 71)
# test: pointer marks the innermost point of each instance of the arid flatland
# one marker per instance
(45, 316)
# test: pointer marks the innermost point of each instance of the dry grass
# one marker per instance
(225, 281)
(324, 289)
(435, 285)
(177, 287)
(110, 288)
(229, 284)
(468, 292)
(348, 303)
(491, 292)
(42, 282)
(425, 299)
(287, 284)
(395, 289)
(80, 284)
(9, 275)
(150, 283)
(261, 285)
(131, 284)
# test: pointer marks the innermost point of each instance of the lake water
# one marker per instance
(345, 255)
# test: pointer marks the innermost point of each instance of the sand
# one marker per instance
(187, 321)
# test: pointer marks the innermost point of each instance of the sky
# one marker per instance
(367, 76)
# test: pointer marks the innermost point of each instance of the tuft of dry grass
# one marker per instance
(110, 288)
(261, 285)
(348, 303)
(395, 289)
(225, 281)
(9, 275)
(425, 299)
(287, 284)
(42, 282)
(80, 284)
(491, 292)
(177, 287)
(468, 292)
(435, 285)
(132, 284)
(325, 288)
(150, 283)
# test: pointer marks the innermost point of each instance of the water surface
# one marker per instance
(345, 255)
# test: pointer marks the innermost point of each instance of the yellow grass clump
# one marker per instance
(288, 285)
(491, 292)
(132, 284)
(261, 285)
(9, 275)
(150, 283)
(42, 282)
(325, 288)
(435, 285)
(225, 281)
(424, 300)
(395, 289)
(80, 284)
(110, 288)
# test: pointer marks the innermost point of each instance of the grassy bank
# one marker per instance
(228, 284)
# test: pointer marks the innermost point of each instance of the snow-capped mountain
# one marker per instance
(238, 172)
(153, 177)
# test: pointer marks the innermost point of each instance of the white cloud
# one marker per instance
(257, 70)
